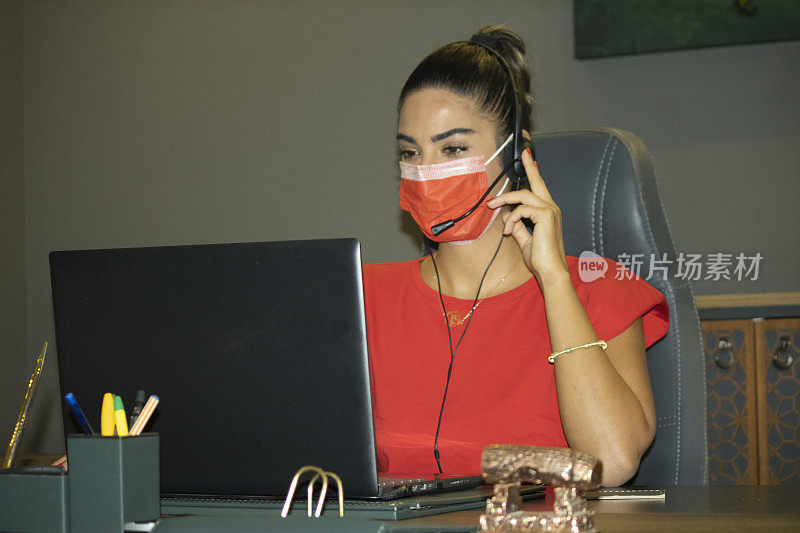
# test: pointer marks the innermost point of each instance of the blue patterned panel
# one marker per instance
(783, 410)
(728, 440)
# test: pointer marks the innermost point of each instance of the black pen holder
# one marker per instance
(32, 501)
(112, 480)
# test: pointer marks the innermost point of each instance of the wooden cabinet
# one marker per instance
(753, 400)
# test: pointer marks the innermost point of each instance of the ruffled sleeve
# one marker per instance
(614, 301)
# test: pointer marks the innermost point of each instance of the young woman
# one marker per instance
(460, 339)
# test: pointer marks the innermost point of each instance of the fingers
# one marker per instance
(527, 204)
(534, 213)
(523, 196)
(518, 230)
(534, 177)
(545, 241)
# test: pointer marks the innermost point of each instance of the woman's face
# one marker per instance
(436, 126)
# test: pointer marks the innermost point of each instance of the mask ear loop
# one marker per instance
(508, 140)
(499, 150)
(503, 188)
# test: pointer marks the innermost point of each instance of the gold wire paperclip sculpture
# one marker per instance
(318, 474)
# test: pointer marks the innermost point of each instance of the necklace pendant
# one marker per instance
(454, 319)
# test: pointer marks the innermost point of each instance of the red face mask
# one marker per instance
(444, 191)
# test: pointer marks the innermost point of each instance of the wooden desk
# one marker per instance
(688, 508)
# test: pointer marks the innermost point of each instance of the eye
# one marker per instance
(454, 150)
(405, 154)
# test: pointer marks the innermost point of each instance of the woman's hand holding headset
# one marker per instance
(542, 250)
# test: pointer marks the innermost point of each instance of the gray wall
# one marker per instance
(14, 362)
(151, 123)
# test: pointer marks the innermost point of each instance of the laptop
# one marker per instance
(257, 351)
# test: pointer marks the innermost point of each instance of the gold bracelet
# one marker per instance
(552, 358)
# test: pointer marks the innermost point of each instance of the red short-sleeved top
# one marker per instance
(502, 389)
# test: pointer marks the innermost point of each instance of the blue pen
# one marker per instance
(76, 410)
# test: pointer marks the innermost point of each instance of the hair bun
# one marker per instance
(511, 47)
(485, 39)
(502, 39)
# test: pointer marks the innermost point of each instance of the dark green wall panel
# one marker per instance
(616, 27)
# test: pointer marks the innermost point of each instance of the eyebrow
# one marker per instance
(436, 138)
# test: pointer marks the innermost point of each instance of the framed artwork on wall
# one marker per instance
(606, 28)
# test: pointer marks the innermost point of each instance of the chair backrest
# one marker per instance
(604, 183)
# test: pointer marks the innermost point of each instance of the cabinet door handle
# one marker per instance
(783, 356)
(723, 355)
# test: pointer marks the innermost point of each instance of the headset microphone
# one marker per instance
(515, 169)
(447, 224)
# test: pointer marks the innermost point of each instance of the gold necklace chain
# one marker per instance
(455, 319)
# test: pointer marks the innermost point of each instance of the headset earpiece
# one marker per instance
(527, 144)
(519, 168)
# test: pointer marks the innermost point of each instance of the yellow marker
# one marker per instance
(119, 416)
(107, 423)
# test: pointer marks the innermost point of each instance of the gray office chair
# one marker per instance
(603, 181)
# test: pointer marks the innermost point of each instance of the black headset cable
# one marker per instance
(450, 340)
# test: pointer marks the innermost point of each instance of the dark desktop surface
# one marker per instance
(769, 499)
(683, 508)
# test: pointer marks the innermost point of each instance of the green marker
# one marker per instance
(119, 417)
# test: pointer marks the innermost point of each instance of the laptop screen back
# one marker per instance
(257, 352)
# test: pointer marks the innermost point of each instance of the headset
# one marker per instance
(515, 170)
